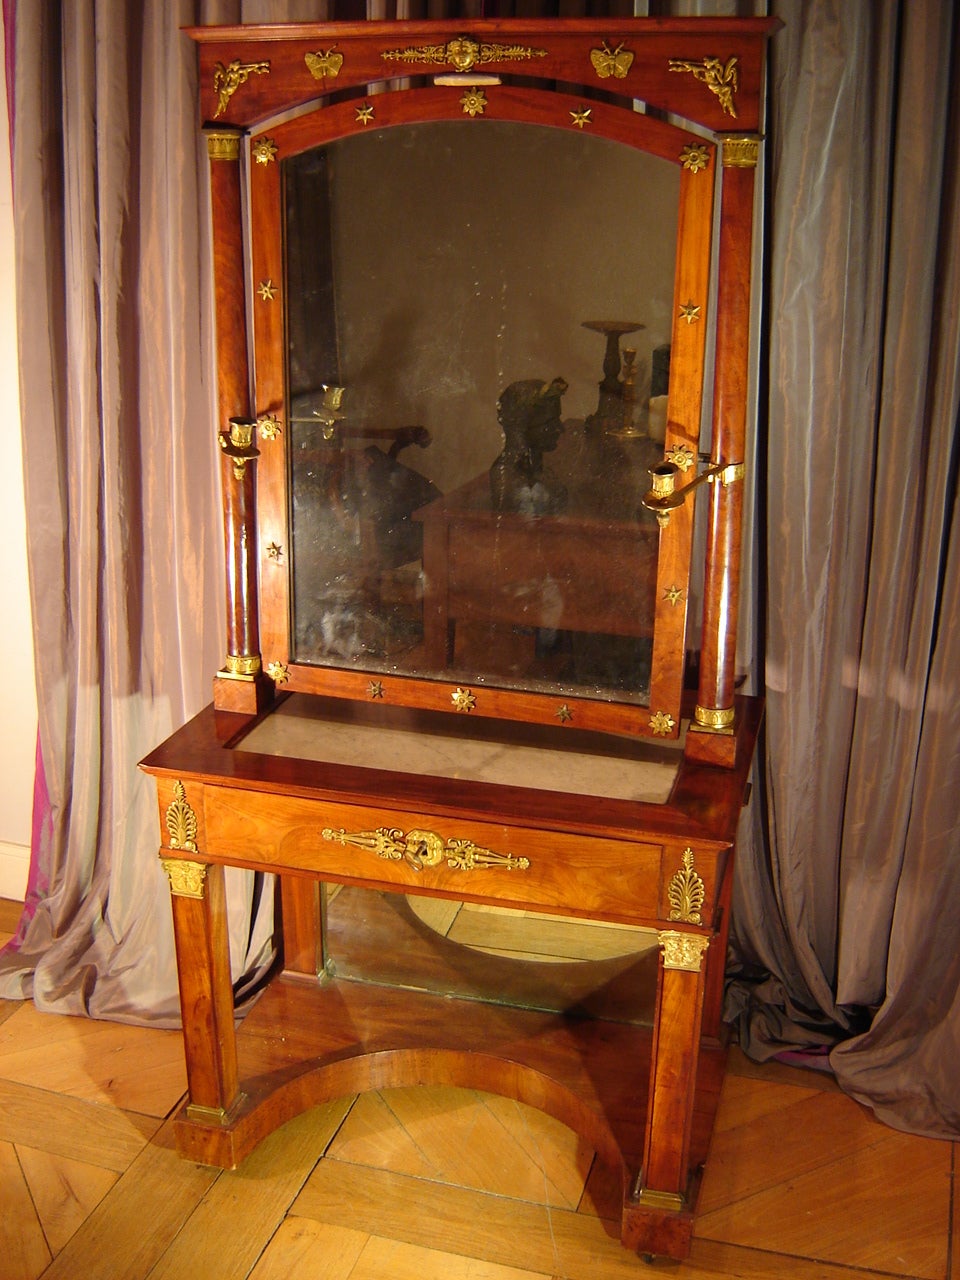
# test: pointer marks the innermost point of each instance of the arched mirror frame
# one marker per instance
(522, 105)
(708, 73)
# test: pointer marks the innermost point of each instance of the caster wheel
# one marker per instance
(648, 1258)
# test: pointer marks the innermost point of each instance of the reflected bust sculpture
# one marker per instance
(529, 415)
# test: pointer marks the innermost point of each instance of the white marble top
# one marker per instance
(314, 729)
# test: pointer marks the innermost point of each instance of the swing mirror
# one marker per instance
(478, 364)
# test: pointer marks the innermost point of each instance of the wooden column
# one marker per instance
(714, 713)
(240, 685)
(206, 992)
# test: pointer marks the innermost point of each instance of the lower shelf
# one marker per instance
(307, 1042)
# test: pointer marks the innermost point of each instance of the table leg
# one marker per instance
(206, 993)
(673, 1074)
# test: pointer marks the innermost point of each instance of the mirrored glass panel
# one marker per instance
(478, 327)
(523, 959)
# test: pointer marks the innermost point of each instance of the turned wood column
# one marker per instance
(714, 713)
(240, 685)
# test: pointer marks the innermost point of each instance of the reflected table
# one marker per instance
(577, 571)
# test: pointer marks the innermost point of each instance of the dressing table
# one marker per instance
(426, 701)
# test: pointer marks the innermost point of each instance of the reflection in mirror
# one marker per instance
(486, 952)
(478, 334)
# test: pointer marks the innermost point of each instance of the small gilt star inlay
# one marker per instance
(364, 114)
(265, 150)
(681, 457)
(267, 290)
(581, 116)
(278, 672)
(474, 102)
(274, 551)
(674, 594)
(690, 311)
(564, 714)
(375, 689)
(694, 156)
(463, 699)
(661, 723)
(268, 424)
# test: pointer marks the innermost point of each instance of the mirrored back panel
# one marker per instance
(467, 502)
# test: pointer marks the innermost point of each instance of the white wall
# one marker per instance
(19, 715)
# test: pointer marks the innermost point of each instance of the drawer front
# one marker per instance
(633, 881)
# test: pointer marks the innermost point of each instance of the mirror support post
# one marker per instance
(713, 736)
(240, 685)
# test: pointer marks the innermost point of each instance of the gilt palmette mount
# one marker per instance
(686, 892)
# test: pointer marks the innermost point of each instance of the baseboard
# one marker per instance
(14, 869)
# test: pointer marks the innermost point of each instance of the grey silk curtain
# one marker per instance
(121, 479)
(846, 906)
(849, 877)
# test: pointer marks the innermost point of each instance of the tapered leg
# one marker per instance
(657, 1216)
(673, 1075)
(206, 993)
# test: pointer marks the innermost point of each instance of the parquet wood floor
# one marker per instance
(802, 1184)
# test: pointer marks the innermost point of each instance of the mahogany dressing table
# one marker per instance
(409, 218)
